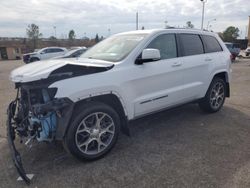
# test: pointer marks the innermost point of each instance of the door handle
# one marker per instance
(176, 64)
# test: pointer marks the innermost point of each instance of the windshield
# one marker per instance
(71, 52)
(114, 48)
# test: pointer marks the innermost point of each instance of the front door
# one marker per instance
(158, 84)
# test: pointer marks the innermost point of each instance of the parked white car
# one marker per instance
(43, 54)
(85, 102)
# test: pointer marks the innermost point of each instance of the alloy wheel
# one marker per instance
(95, 133)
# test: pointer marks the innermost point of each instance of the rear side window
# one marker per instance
(190, 44)
(166, 44)
(211, 44)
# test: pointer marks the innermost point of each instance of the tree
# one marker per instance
(33, 33)
(72, 34)
(231, 34)
(97, 38)
(101, 38)
(221, 35)
(189, 24)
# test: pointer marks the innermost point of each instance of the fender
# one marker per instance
(64, 121)
(220, 71)
(227, 79)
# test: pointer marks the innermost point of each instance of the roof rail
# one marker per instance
(188, 28)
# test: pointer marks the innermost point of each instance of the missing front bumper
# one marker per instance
(16, 157)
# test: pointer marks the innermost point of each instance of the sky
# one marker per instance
(107, 17)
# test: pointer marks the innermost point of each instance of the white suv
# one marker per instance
(43, 54)
(85, 102)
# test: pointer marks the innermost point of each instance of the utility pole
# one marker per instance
(136, 20)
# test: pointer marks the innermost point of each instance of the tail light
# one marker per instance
(231, 57)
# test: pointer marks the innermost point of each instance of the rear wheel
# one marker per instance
(215, 96)
(93, 131)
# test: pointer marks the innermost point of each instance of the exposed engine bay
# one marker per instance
(33, 116)
(36, 115)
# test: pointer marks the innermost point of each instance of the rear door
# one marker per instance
(214, 55)
(195, 65)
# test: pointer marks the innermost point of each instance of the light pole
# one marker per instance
(203, 9)
(136, 20)
(55, 30)
(210, 22)
(109, 32)
(166, 24)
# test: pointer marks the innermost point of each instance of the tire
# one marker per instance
(88, 138)
(33, 59)
(215, 96)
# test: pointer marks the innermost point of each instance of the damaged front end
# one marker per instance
(37, 114)
(34, 115)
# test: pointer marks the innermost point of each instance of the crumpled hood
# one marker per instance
(41, 69)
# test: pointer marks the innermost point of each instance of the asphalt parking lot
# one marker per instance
(182, 147)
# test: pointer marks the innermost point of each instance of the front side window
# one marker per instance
(49, 50)
(211, 44)
(166, 44)
(190, 44)
(57, 50)
(115, 48)
(42, 51)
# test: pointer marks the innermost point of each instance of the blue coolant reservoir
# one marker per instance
(48, 125)
(47, 122)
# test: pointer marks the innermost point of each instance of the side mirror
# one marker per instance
(43, 52)
(148, 55)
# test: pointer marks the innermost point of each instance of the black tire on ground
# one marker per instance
(33, 59)
(215, 97)
(85, 117)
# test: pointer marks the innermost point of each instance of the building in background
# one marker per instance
(10, 48)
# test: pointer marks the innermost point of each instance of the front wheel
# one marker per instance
(215, 96)
(93, 131)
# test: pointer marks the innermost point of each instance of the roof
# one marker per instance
(178, 30)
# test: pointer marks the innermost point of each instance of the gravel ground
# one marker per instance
(182, 147)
